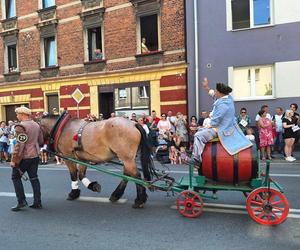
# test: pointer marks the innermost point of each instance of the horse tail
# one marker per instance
(146, 158)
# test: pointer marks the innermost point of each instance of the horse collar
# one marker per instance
(57, 130)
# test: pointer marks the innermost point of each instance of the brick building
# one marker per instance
(123, 55)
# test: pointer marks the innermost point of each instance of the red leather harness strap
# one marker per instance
(59, 130)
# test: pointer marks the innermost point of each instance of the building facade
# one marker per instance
(253, 45)
(118, 56)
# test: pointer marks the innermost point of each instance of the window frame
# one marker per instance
(229, 17)
(46, 103)
(139, 35)
(131, 86)
(6, 60)
(43, 53)
(86, 41)
(252, 82)
(4, 14)
(41, 5)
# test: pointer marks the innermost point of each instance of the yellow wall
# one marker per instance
(153, 75)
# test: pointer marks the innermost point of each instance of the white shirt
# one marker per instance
(206, 122)
(258, 117)
(145, 127)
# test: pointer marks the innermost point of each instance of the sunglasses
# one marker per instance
(243, 112)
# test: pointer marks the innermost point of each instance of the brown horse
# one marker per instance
(102, 141)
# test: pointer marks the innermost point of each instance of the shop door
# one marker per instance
(106, 104)
(10, 113)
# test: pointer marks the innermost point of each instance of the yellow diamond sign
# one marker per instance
(77, 95)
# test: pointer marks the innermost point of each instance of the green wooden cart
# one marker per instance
(265, 201)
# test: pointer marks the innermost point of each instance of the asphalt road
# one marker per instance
(94, 223)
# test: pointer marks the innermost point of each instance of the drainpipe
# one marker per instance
(196, 57)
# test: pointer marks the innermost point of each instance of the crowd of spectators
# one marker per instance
(275, 133)
(171, 136)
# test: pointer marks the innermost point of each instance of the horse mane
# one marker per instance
(146, 159)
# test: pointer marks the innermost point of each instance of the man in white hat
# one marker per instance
(25, 158)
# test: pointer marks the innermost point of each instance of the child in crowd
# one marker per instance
(12, 144)
(250, 135)
(183, 157)
(173, 155)
(43, 154)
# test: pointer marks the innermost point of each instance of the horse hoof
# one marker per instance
(113, 199)
(73, 195)
(94, 186)
(138, 205)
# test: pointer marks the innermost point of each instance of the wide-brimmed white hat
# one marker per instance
(23, 110)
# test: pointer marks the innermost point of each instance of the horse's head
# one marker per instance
(46, 124)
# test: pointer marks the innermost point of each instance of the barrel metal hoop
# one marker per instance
(254, 163)
(214, 161)
(235, 169)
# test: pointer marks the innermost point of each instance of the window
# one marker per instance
(132, 99)
(250, 13)
(144, 92)
(52, 102)
(94, 44)
(10, 8)
(122, 93)
(12, 58)
(47, 3)
(50, 51)
(149, 33)
(253, 82)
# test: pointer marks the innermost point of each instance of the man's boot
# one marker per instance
(19, 206)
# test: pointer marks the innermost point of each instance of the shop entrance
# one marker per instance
(106, 104)
(10, 111)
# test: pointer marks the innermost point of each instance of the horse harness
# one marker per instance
(57, 129)
(78, 136)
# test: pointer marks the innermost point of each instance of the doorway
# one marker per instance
(53, 102)
(106, 104)
(10, 114)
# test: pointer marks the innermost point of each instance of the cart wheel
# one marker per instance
(189, 204)
(267, 206)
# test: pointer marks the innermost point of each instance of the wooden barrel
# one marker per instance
(222, 167)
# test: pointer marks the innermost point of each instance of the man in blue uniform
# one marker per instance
(223, 125)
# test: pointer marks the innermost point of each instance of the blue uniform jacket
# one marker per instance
(229, 133)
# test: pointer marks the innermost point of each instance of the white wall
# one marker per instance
(287, 79)
(286, 11)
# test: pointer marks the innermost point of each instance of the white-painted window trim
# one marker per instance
(252, 72)
(6, 70)
(252, 26)
(86, 40)
(138, 32)
(41, 4)
(43, 64)
(3, 10)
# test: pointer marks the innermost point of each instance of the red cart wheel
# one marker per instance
(267, 206)
(189, 204)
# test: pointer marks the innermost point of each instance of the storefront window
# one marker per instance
(132, 100)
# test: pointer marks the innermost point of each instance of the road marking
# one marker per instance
(10, 194)
(81, 198)
(237, 209)
(99, 199)
(167, 171)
